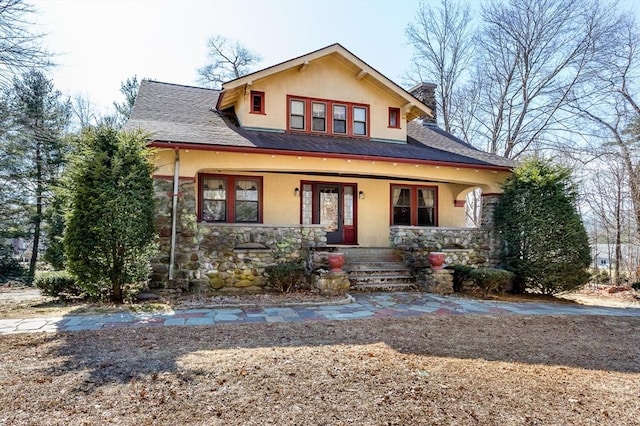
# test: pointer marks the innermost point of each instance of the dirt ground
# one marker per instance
(506, 370)
(487, 370)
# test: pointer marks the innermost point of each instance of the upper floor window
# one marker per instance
(257, 102)
(394, 118)
(319, 121)
(414, 205)
(327, 116)
(340, 119)
(230, 199)
(297, 116)
(359, 121)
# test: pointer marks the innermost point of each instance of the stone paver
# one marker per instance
(367, 305)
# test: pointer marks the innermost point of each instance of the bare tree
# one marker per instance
(83, 113)
(20, 49)
(535, 52)
(442, 39)
(610, 104)
(227, 61)
(607, 199)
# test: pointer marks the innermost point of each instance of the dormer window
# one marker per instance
(296, 120)
(359, 121)
(394, 118)
(319, 121)
(257, 102)
(336, 118)
(340, 119)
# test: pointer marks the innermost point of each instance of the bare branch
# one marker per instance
(20, 49)
(227, 61)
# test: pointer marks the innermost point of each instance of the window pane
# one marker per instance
(247, 190)
(257, 103)
(401, 216)
(214, 189)
(401, 197)
(297, 107)
(214, 211)
(359, 114)
(425, 216)
(319, 110)
(348, 206)
(329, 208)
(307, 204)
(425, 198)
(318, 124)
(393, 118)
(339, 112)
(246, 211)
(339, 126)
(297, 122)
(359, 129)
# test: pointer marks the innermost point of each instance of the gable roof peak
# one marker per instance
(415, 106)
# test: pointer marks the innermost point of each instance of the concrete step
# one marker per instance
(391, 286)
(377, 268)
(379, 273)
(378, 277)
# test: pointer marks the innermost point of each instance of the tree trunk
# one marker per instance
(38, 216)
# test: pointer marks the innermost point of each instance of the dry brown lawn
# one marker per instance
(502, 370)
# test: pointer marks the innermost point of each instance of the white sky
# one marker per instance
(101, 43)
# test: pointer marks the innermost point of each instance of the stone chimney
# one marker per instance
(426, 93)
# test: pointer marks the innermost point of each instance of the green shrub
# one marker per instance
(286, 276)
(58, 284)
(545, 242)
(461, 274)
(491, 280)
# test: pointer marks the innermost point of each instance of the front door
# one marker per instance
(333, 206)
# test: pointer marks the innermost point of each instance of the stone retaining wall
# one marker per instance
(225, 257)
(466, 246)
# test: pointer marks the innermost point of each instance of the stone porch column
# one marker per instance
(487, 223)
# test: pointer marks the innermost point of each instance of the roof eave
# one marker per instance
(255, 150)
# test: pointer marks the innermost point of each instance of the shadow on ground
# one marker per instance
(587, 342)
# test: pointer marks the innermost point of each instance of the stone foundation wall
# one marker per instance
(223, 257)
(466, 246)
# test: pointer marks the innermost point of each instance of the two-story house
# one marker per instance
(318, 151)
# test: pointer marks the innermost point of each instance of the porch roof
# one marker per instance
(183, 115)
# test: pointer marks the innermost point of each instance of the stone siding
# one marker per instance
(466, 246)
(223, 257)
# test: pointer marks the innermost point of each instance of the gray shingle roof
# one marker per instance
(184, 114)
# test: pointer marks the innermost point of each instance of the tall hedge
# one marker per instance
(110, 230)
(546, 245)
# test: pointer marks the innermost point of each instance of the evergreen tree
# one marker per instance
(32, 153)
(129, 90)
(110, 225)
(546, 244)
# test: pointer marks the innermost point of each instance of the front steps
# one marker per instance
(375, 269)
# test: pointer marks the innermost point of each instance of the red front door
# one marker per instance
(331, 205)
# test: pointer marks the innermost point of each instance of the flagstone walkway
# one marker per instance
(365, 305)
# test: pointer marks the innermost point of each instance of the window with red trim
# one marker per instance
(257, 102)
(331, 117)
(414, 205)
(394, 118)
(230, 199)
